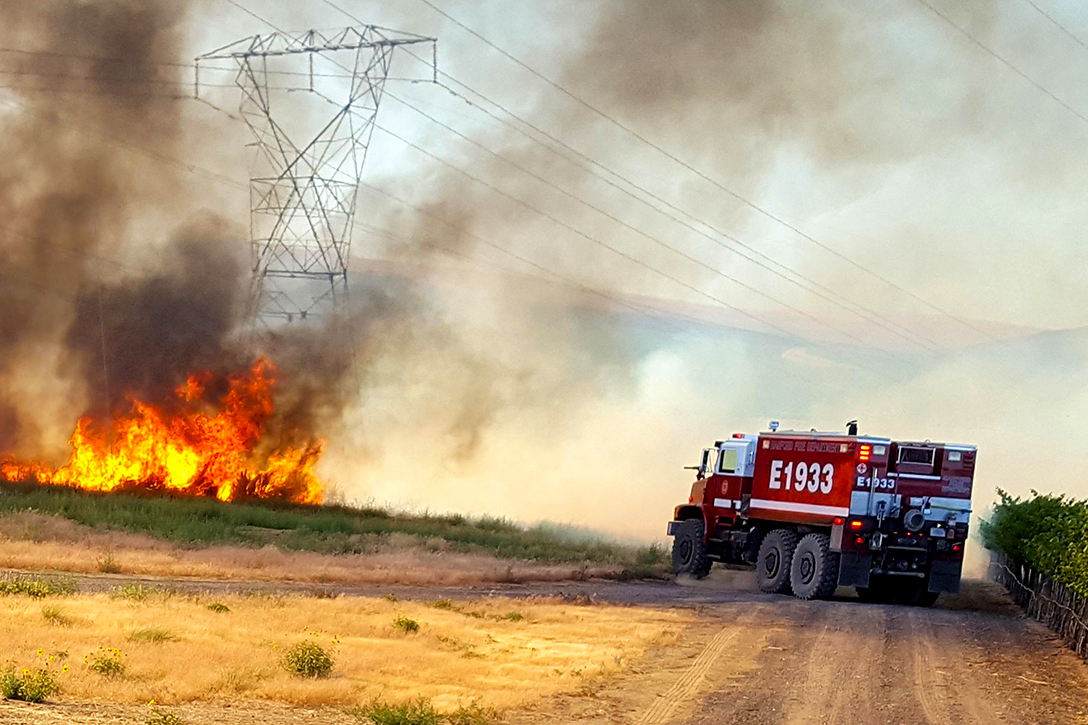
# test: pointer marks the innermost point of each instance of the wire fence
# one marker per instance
(1057, 606)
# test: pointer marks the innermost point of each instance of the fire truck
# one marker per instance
(813, 511)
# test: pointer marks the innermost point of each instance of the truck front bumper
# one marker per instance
(672, 527)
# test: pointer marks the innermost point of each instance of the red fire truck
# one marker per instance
(814, 511)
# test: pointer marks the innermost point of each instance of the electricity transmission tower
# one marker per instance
(311, 100)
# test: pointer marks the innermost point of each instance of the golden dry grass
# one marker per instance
(35, 542)
(455, 657)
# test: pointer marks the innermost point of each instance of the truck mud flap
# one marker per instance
(944, 575)
(854, 569)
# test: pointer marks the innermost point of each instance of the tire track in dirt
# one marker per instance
(841, 671)
(947, 685)
(924, 682)
(686, 689)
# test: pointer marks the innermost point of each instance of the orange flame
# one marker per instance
(188, 452)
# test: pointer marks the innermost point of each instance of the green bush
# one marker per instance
(107, 661)
(307, 659)
(1048, 533)
(29, 685)
(218, 608)
(405, 624)
(413, 712)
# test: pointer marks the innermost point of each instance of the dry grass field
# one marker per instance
(501, 653)
(32, 541)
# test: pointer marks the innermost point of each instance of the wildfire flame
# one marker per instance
(188, 451)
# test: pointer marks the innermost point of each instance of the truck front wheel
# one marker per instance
(814, 573)
(774, 561)
(689, 550)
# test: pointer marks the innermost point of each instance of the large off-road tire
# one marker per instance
(773, 563)
(814, 573)
(689, 550)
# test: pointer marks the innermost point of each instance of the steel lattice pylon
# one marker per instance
(303, 184)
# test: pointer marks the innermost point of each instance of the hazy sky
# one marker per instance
(939, 187)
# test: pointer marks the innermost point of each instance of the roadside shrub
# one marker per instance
(218, 608)
(413, 712)
(1049, 533)
(406, 625)
(106, 661)
(29, 685)
(152, 635)
(132, 591)
(442, 604)
(35, 586)
(307, 659)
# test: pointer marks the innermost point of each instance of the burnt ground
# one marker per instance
(750, 658)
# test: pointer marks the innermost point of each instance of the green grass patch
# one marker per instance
(324, 529)
(152, 635)
(218, 608)
(420, 711)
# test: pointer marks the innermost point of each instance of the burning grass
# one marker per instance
(263, 536)
(188, 446)
(454, 661)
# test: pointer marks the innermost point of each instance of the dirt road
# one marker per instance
(759, 659)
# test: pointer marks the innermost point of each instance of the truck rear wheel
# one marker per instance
(814, 573)
(775, 558)
(689, 550)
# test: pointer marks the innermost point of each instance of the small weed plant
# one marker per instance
(151, 635)
(472, 714)
(307, 659)
(158, 716)
(31, 684)
(28, 685)
(406, 625)
(133, 592)
(107, 564)
(218, 608)
(56, 617)
(106, 661)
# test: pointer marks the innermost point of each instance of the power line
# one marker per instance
(1000, 59)
(873, 317)
(1061, 27)
(584, 235)
(624, 224)
(668, 154)
(162, 158)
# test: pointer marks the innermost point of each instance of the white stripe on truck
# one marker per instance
(800, 508)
